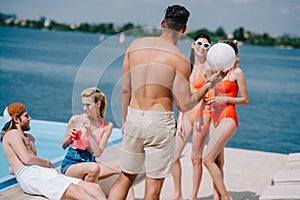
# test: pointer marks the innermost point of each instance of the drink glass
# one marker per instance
(210, 93)
(77, 135)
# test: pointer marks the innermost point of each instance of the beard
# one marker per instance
(25, 126)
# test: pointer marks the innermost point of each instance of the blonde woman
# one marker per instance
(87, 136)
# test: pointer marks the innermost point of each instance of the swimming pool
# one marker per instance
(48, 136)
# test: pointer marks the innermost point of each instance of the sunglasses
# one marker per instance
(202, 44)
(86, 105)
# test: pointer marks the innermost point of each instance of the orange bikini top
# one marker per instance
(198, 82)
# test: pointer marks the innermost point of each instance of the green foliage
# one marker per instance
(250, 38)
(108, 28)
(238, 34)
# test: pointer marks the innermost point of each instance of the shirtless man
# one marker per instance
(154, 69)
(35, 175)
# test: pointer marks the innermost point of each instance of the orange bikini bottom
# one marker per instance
(194, 113)
(224, 111)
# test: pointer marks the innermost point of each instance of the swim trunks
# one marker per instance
(37, 180)
(225, 110)
(148, 143)
(75, 156)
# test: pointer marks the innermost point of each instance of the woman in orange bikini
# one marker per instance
(195, 121)
(86, 138)
(224, 122)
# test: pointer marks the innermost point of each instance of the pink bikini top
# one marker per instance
(83, 142)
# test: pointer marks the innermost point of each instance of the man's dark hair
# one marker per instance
(176, 17)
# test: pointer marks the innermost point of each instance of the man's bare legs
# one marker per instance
(153, 188)
(110, 168)
(84, 190)
(121, 187)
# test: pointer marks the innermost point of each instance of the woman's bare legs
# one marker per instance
(182, 137)
(87, 171)
(201, 128)
(219, 136)
(220, 163)
(109, 168)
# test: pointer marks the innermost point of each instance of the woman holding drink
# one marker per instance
(86, 136)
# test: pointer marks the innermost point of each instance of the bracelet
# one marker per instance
(211, 84)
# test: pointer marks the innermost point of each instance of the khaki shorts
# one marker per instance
(148, 143)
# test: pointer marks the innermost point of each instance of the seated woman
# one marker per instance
(86, 136)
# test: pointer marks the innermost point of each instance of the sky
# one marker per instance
(275, 17)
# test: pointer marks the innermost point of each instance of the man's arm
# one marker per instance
(185, 101)
(15, 140)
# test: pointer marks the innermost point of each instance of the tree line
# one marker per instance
(240, 34)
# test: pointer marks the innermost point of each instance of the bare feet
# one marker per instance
(227, 197)
(176, 197)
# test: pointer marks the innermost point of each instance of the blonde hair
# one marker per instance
(97, 95)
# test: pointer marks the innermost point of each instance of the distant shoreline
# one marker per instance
(241, 34)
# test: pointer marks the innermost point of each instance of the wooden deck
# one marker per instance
(247, 174)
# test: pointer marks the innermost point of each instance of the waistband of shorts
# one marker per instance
(22, 169)
(150, 112)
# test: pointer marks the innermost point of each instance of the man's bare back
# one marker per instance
(153, 63)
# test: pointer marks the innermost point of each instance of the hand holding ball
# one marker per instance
(221, 56)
